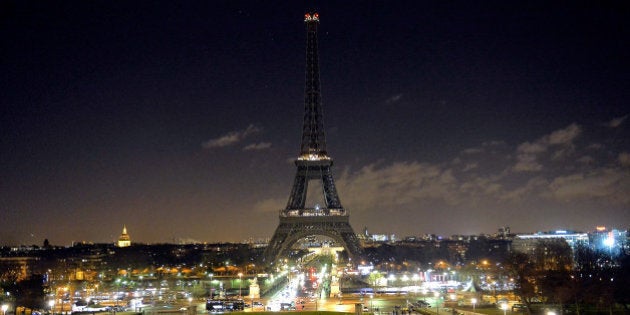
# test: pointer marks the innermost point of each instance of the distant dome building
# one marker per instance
(124, 240)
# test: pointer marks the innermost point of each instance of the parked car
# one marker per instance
(519, 307)
(421, 304)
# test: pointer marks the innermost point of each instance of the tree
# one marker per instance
(30, 293)
(557, 286)
(553, 254)
(553, 263)
(621, 288)
(374, 278)
(519, 267)
(596, 274)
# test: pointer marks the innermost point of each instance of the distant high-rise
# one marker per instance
(124, 240)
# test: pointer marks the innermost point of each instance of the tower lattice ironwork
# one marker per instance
(296, 220)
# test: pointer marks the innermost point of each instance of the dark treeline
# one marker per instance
(106, 257)
(453, 252)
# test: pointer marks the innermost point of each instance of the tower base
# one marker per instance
(293, 228)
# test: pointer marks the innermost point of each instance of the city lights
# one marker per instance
(476, 178)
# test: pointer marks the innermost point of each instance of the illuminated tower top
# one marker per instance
(313, 137)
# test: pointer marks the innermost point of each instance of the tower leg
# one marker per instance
(330, 191)
(297, 200)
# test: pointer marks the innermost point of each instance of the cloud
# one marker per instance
(230, 138)
(401, 183)
(528, 152)
(257, 146)
(223, 141)
(393, 99)
(532, 188)
(564, 136)
(493, 143)
(586, 160)
(601, 184)
(470, 166)
(532, 147)
(527, 163)
(479, 187)
(562, 153)
(594, 146)
(472, 150)
(616, 122)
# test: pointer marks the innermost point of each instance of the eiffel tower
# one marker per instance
(313, 163)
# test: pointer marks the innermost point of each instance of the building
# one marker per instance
(526, 243)
(611, 241)
(124, 240)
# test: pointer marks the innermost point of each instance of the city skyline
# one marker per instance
(182, 120)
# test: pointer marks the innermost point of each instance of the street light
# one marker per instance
(5, 307)
(211, 275)
(117, 289)
(504, 307)
(51, 303)
(473, 301)
(65, 291)
(240, 277)
(437, 302)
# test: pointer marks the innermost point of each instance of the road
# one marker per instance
(384, 304)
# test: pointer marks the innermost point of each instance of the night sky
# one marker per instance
(181, 119)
